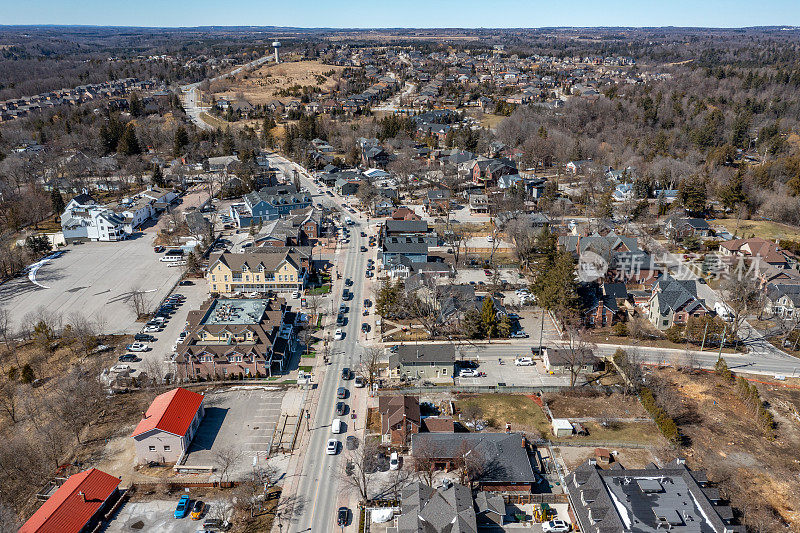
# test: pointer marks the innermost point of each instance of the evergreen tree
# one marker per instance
(57, 201)
(135, 106)
(129, 143)
(733, 194)
(473, 325)
(181, 141)
(158, 177)
(504, 328)
(489, 317)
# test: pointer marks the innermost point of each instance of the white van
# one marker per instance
(336, 426)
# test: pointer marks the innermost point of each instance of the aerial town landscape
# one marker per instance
(275, 279)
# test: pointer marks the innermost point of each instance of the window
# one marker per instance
(666, 322)
(166, 448)
(151, 448)
(213, 278)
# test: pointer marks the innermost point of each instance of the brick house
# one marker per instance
(400, 418)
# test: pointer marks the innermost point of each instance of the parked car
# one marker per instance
(342, 516)
(519, 334)
(332, 447)
(523, 361)
(394, 461)
(359, 382)
(215, 524)
(143, 337)
(197, 510)
(468, 373)
(363, 248)
(341, 407)
(129, 358)
(185, 282)
(367, 302)
(338, 335)
(345, 373)
(182, 508)
(341, 393)
(364, 327)
(159, 249)
(336, 426)
(137, 347)
(555, 526)
(487, 272)
(150, 328)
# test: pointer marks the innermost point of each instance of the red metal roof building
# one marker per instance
(77, 505)
(167, 428)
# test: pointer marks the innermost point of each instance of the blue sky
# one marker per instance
(403, 13)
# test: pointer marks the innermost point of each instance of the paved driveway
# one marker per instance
(94, 279)
(156, 515)
(241, 418)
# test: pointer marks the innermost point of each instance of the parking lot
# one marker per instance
(466, 275)
(156, 515)
(489, 361)
(241, 418)
(93, 279)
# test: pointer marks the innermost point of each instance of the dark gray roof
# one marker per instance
(425, 510)
(675, 294)
(405, 247)
(503, 456)
(644, 501)
(423, 353)
(406, 226)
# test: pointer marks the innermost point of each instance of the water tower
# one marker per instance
(276, 45)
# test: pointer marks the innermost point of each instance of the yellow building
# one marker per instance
(255, 272)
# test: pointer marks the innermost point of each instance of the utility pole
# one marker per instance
(724, 332)
(704, 337)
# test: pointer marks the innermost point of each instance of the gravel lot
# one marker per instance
(156, 515)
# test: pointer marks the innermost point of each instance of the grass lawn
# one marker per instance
(214, 121)
(604, 337)
(765, 229)
(523, 414)
(325, 289)
(491, 121)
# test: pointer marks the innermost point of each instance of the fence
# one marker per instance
(523, 499)
(481, 389)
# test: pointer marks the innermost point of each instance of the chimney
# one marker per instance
(82, 495)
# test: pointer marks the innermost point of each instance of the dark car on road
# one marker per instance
(363, 248)
(341, 408)
(342, 516)
(341, 393)
(364, 327)
(345, 373)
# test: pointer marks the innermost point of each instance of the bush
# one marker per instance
(675, 333)
(27, 376)
(665, 424)
(620, 329)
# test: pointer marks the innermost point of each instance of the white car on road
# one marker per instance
(332, 447)
(339, 335)
(523, 361)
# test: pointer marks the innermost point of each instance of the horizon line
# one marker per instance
(782, 27)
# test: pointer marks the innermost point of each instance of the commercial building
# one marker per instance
(228, 336)
(262, 272)
(167, 427)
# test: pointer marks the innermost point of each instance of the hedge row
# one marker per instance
(666, 424)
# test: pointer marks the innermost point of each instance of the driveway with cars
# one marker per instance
(95, 279)
(489, 359)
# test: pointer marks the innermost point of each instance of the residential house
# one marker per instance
(478, 204)
(504, 457)
(673, 301)
(166, 429)
(423, 361)
(578, 167)
(756, 248)
(408, 231)
(678, 228)
(236, 336)
(415, 250)
(562, 360)
(437, 201)
(77, 506)
(262, 272)
(269, 203)
(647, 500)
(447, 510)
(400, 418)
(783, 300)
(222, 163)
(404, 213)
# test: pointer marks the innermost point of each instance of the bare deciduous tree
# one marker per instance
(370, 364)
(362, 464)
(225, 459)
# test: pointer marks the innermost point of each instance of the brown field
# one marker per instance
(759, 476)
(764, 229)
(262, 85)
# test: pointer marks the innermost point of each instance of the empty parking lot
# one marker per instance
(93, 279)
(240, 418)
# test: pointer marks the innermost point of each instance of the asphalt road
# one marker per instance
(319, 483)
